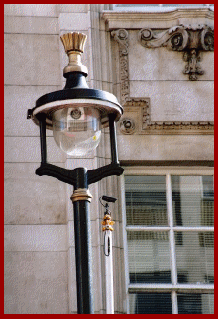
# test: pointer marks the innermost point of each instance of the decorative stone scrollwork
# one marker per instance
(193, 68)
(127, 126)
(190, 39)
(207, 39)
(121, 36)
(178, 38)
(144, 104)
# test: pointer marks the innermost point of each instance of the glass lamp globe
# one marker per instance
(76, 130)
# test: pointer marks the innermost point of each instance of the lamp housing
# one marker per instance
(76, 114)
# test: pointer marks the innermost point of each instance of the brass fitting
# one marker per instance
(74, 43)
(81, 194)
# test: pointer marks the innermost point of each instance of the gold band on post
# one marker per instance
(81, 194)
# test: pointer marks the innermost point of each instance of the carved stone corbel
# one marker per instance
(187, 38)
(121, 36)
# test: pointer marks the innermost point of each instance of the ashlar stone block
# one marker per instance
(72, 8)
(36, 283)
(35, 238)
(97, 278)
(17, 100)
(177, 100)
(47, 10)
(165, 147)
(72, 281)
(32, 199)
(32, 59)
(36, 25)
(74, 21)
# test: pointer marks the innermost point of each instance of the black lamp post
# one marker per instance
(76, 114)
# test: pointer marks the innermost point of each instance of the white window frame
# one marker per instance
(174, 287)
(158, 8)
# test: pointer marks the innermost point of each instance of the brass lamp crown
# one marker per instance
(74, 43)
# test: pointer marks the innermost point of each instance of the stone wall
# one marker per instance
(35, 208)
(171, 115)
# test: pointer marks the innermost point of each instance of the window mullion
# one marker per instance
(172, 241)
(148, 228)
(174, 303)
(121, 182)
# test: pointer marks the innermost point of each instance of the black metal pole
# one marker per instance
(82, 231)
(113, 139)
(42, 124)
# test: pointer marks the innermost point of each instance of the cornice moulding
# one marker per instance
(137, 20)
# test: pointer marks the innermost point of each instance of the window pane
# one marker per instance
(194, 261)
(195, 304)
(146, 200)
(193, 200)
(149, 257)
(150, 303)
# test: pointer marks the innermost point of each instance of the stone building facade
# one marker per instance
(159, 64)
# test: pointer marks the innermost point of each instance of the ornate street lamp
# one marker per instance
(76, 114)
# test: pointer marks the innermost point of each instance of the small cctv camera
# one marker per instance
(109, 199)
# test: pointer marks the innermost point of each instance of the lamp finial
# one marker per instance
(74, 43)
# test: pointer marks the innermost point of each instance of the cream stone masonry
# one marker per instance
(35, 207)
(18, 99)
(28, 68)
(156, 147)
(35, 238)
(36, 282)
(118, 297)
(70, 234)
(96, 57)
(97, 279)
(29, 199)
(72, 280)
(180, 101)
(74, 21)
(64, 8)
(44, 10)
(33, 25)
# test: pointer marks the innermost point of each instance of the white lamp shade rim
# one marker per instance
(104, 107)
